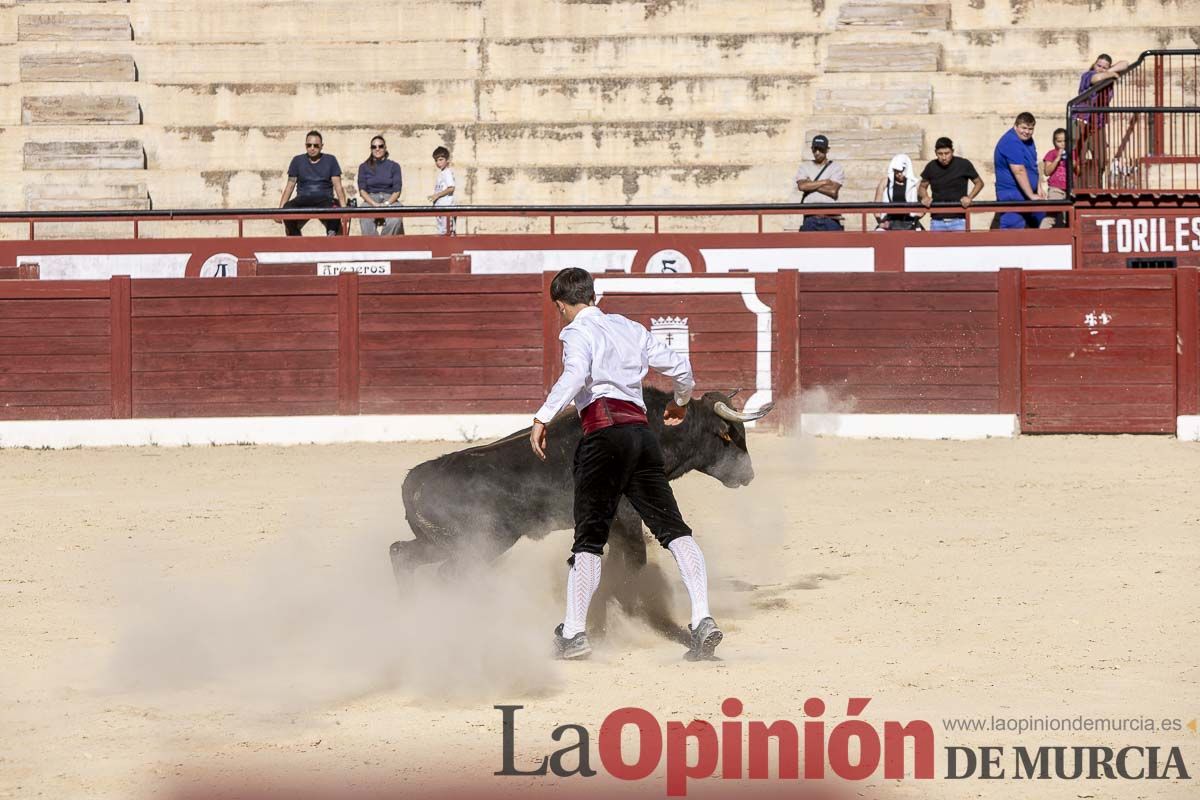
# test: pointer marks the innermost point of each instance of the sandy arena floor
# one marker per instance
(178, 619)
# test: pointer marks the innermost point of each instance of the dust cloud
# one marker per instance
(301, 625)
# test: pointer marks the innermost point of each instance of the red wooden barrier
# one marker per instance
(349, 379)
(245, 347)
(24, 272)
(1087, 351)
(911, 343)
(1099, 352)
(787, 315)
(451, 344)
(55, 342)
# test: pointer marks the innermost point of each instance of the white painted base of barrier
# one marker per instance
(58, 434)
(910, 426)
(1187, 428)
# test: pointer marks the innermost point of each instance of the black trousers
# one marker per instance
(293, 226)
(622, 460)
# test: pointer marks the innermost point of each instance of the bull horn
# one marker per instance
(734, 392)
(726, 413)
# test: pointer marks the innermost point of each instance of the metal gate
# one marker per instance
(1098, 352)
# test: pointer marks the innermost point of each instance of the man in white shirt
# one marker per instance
(605, 358)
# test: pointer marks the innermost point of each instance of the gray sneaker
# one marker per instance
(574, 648)
(705, 638)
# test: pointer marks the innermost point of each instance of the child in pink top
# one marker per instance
(1054, 167)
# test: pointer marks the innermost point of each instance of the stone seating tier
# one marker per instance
(658, 101)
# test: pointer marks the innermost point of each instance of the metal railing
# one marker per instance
(859, 216)
(1140, 132)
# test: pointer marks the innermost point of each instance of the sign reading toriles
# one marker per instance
(1178, 234)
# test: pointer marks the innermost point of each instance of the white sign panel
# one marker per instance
(361, 267)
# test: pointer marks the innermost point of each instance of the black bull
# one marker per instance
(476, 503)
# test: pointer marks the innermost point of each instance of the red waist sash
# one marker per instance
(605, 412)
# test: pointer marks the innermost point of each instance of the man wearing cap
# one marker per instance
(819, 181)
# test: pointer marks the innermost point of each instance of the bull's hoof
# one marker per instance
(400, 568)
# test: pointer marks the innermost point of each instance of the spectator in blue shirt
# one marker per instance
(316, 177)
(379, 185)
(1017, 175)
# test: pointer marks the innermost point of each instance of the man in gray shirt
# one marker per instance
(820, 181)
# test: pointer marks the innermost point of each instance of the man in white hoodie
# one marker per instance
(605, 358)
(898, 186)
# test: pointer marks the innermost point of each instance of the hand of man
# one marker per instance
(965, 201)
(537, 439)
(673, 414)
(927, 201)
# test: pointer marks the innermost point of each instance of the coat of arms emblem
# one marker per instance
(672, 332)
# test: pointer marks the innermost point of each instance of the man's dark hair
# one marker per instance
(942, 143)
(441, 152)
(1105, 56)
(316, 134)
(573, 286)
(1025, 118)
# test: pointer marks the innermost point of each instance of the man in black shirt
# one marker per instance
(318, 177)
(947, 175)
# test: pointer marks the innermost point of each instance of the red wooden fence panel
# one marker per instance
(901, 343)
(55, 350)
(245, 347)
(1076, 352)
(1099, 352)
(449, 344)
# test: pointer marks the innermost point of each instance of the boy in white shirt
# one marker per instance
(443, 189)
(605, 358)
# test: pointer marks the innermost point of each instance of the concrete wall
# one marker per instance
(178, 103)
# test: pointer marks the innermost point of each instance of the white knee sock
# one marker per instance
(695, 575)
(582, 580)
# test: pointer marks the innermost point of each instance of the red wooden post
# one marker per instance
(348, 371)
(787, 356)
(1187, 339)
(247, 267)
(1009, 300)
(889, 253)
(551, 357)
(120, 307)
(29, 270)
(460, 264)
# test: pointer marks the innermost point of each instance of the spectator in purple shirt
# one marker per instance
(379, 185)
(1088, 126)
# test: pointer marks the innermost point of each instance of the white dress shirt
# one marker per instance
(607, 355)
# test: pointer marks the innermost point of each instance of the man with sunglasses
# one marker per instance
(316, 177)
(820, 181)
